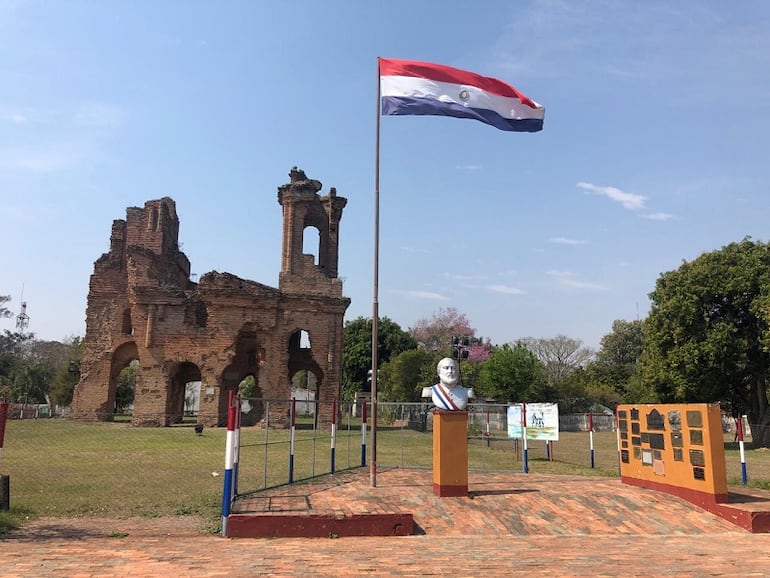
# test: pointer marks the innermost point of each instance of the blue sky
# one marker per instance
(654, 148)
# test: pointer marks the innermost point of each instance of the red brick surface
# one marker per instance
(509, 525)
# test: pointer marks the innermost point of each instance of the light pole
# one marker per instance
(460, 349)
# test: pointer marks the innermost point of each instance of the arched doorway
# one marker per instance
(182, 379)
(124, 369)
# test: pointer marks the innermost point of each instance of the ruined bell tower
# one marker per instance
(303, 208)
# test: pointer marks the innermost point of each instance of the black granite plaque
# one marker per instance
(699, 473)
(678, 455)
(694, 418)
(635, 429)
(656, 421)
(657, 441)
(677, 441)
(696, 437)
(697, 458)
(635, 414)
(624, 456)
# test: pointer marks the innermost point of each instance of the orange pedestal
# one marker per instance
(450, 453)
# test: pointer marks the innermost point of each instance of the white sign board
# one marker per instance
(542, 421)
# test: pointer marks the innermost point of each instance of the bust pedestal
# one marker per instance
(450, 453)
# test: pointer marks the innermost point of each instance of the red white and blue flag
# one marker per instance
(409, 87)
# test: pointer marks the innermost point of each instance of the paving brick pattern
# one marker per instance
(510, 525)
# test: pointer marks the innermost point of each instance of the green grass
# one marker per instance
(68, 468)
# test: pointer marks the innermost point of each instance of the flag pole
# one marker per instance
(375, 304)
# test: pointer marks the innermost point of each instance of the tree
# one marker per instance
(436, 334)
(14, 354)
(404, 376)
(511, 374)
(707, 337)
(617, 363)
(561, 356)
(4, 311)
(357, 350)
(126, 386)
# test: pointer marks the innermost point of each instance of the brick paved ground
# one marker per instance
(511, 524)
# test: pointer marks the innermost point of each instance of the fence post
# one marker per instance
(363, 432)
(5, 481)
(739, 430)
(524, 436)
(334, 431)
(291, 438)
(591, 436)
(227, 491)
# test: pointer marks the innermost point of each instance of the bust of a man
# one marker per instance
(447, 394)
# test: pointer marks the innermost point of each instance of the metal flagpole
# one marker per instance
(375, 304)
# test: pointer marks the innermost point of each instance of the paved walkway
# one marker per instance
(510, 525)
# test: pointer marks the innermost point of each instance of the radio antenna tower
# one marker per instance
(22, 319)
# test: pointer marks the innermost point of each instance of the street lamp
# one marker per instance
(460, 349)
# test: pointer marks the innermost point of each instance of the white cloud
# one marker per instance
(413, 249)
(41, 161)
(505, 289)
(468, 167)
(658, 216)
(630, 201)
(567, 278)
(566, 241)
(458, 277)
(425, 295)
(14, 117)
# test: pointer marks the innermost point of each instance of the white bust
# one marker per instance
(447, 394)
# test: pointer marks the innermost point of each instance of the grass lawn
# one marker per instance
(68, 468)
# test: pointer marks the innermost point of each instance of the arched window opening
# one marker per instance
(311, 243)
(126, 326)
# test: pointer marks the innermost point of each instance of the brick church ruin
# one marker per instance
(143, 305)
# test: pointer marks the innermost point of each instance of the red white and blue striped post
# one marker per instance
(334, 432)
(291, 438)
(363, 433)
(524, 436)
(739, 426)
(3, 419)
(228, 489)
(591, 437)
(237, 443)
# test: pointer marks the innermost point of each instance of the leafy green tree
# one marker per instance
(612, 375)
(357, 350)
(124, 392)
(248, 386)
(707, 337)
(64, 381)
(31, 382)
(14, 354)
(404, 376)
(511, 374)
(4, 311)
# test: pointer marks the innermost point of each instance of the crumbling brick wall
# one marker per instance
(143, 305)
